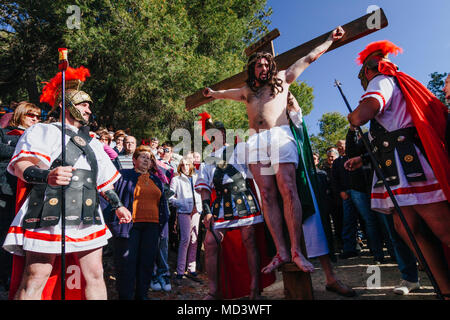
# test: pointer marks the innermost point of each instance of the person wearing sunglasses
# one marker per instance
(24, 116)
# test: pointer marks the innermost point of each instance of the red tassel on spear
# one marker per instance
(204, 117)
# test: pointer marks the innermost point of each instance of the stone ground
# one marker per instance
(353, 272)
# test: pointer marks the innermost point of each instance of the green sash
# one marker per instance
(304, 192)
(305, 167)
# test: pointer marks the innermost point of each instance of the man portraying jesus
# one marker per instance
(273, 155)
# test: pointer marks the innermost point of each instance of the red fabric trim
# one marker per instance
(202, 184)
(377, 93)
(54, 237)
(407, 190)
(238, 218)
(108, 182)
(430, 119)
(15, 132)
(31, 152)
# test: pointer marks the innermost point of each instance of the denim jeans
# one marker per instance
(405, 258)
(361, 201)
(139, 261)
(161, 267)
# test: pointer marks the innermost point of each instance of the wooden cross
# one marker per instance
(353, 30)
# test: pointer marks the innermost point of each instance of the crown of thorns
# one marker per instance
(257, 56)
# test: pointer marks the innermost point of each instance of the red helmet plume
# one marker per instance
(53, 87)
(384, 47)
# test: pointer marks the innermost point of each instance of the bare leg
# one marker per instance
(285, 177)
(92, 269)
(249, 240)
(333, 284)
(431, 250)
(211, 251)
(437, 217)
(327, 269)
(272, 214)
(38, 267)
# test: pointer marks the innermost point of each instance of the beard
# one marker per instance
(264, 80)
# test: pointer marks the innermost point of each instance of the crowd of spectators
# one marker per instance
(157, 187)
(153, 177)
(179, 234)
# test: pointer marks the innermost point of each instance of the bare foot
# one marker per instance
(340, 288)
(302, 263)
(275, 263)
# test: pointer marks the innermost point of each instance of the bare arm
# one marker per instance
(300, 65)
(294, 111)
(238, 94)
(353, 163)
(294, 106)
(366, 110)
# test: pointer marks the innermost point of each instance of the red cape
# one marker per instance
(52, 289)
(429, 115)
(234, 272)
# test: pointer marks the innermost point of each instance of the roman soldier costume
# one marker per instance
(37, 224)
(233, 205)
(407, 134)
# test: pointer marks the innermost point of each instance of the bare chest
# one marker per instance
(265, 110)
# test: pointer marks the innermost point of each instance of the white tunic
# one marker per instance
(205, 181)
(393, 115)
(43, 142)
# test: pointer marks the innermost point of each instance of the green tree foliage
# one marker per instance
(30, 34)
(333, 127)
(304, 95)
(436, 84)
(145, 56)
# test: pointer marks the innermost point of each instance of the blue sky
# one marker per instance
(420, 27)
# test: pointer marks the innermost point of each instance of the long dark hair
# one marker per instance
(273, 81)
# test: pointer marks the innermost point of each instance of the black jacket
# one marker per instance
(360, 179)
(340, 176)
(8, 182)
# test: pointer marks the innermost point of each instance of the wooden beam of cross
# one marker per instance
(354, 30)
